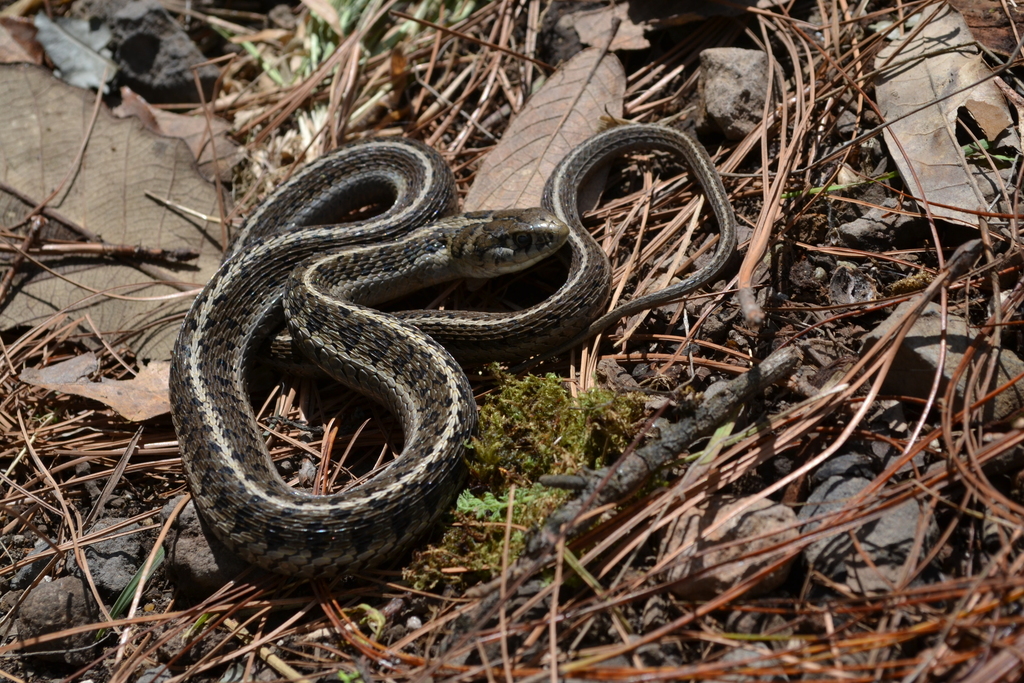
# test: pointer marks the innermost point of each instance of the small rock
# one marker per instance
(828, 555)
(155, 675)
(732, 91)
(917, 357)
(881, 230)
(613, 376)
(197, 562)
(757, 623)
(156, 56)
(27, 574)
(718, 571)
(651, 654)
(754, 657)
(846, 466)
(54, 606)
(103, 10)
(888, 540)
(887, 417)
(717, 326)
(1007, 462)
(7, 602)
(113, 562)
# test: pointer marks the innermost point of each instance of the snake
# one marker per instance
(295, 262)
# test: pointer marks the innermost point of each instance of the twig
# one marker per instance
(610, 484)
(125, 251)
(35, 224)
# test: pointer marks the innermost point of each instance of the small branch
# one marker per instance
(35, 224)
(52, 214)
(611, 484)
(126, 251)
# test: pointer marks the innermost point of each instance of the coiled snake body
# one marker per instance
(396, 360)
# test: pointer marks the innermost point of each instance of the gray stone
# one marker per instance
(732, 91)
(828, 554)
(887, 541)
(880, 230)
(1008, 462)
(196, 561)
(749, 656)
(704, 571)
(917, 358)
(887, 417)
(113, 562)
(8, 600)
(846, 465)
(158, 674)
(55, 606)
(27, 574)
(156, 56)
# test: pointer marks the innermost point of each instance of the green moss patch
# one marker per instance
(528, 428)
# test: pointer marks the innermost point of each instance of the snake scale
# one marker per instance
(293, 261)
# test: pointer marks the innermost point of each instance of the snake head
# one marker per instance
(498, 242)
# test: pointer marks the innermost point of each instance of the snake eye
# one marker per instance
(523, 240)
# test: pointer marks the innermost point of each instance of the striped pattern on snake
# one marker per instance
(228, 469)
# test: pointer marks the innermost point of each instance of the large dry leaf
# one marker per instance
(194, 130)
(940, 60)
(563, 113)
(136, 399)
(592, 27)
(46, 121)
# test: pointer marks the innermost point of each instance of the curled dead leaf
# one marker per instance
(140, 398)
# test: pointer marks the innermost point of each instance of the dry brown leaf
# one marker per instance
(191, 129)
(939, 60)
(136, 399)
(18, 41)
(592, 27)
(71, 371)
(44, 128)
(563, 113)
